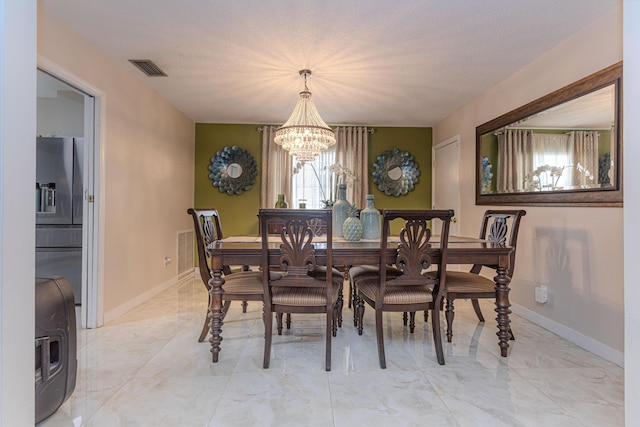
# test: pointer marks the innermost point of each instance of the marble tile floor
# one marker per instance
(147, 369)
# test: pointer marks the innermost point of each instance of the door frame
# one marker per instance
(92, 308)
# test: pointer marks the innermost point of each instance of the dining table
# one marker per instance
(247, 250)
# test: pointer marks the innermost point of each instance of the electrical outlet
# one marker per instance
(167, 261)
(542, 294)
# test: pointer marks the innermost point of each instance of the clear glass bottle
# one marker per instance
(370, 218)
(281, 203)
(340, 207)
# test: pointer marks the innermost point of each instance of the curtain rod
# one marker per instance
(369, 129)
(502, 129)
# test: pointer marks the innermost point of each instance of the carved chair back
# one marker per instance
(296, 234)
(206, 223)
(501, 227)
(414, 253)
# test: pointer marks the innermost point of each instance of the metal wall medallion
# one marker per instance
(395, 172)
(233, 170)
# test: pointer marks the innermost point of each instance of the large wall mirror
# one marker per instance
(564, 149)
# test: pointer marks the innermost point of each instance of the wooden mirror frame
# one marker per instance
(606, 196)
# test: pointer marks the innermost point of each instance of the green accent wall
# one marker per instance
(238, 213)
(417, 141)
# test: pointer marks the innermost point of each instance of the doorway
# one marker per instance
(66, 233)
(446, 179)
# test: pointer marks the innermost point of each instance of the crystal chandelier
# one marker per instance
(305, 134)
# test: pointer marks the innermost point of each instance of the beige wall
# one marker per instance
(146, 180)
(576, 252)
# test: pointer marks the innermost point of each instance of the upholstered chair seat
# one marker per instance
(396, 294)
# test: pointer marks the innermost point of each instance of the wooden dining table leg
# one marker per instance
(215, 311)
(502, 308)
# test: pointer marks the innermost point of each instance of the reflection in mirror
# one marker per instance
(561, 149)
(395, 173)
(234, 170)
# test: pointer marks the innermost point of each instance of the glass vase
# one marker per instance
(370, 218)
(340, 207)
(281, 203)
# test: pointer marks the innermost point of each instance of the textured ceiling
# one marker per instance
(374, 62)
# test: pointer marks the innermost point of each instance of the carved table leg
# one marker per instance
(215, 313)
(502, 308)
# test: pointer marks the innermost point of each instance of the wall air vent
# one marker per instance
(148, 67)
(185, 252)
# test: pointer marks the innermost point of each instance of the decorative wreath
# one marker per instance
(220, 170)
(400, 183)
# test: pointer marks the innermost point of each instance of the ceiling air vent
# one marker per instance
(148, 67)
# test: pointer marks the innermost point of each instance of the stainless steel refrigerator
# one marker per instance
(59, 197)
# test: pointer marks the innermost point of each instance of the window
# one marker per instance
(551, 155)
(566, 160)
(311, 182)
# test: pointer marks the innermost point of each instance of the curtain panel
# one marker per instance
(584, 152)
(276, 170)
(515, 160)
(352, 148)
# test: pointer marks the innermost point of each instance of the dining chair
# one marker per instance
(410, 291)
(309, 283)
(358, 272)
(498, 227)
(239, 285)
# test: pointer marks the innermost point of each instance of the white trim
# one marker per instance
(631, 129)
(93, 302)
(53, 68)
(447, 142)
(18, 43)
(589, 344)
(146, 296)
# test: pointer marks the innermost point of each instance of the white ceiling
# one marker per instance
(374, 62)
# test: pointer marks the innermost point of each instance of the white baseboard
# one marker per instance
(589, 344)
(146, 296)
